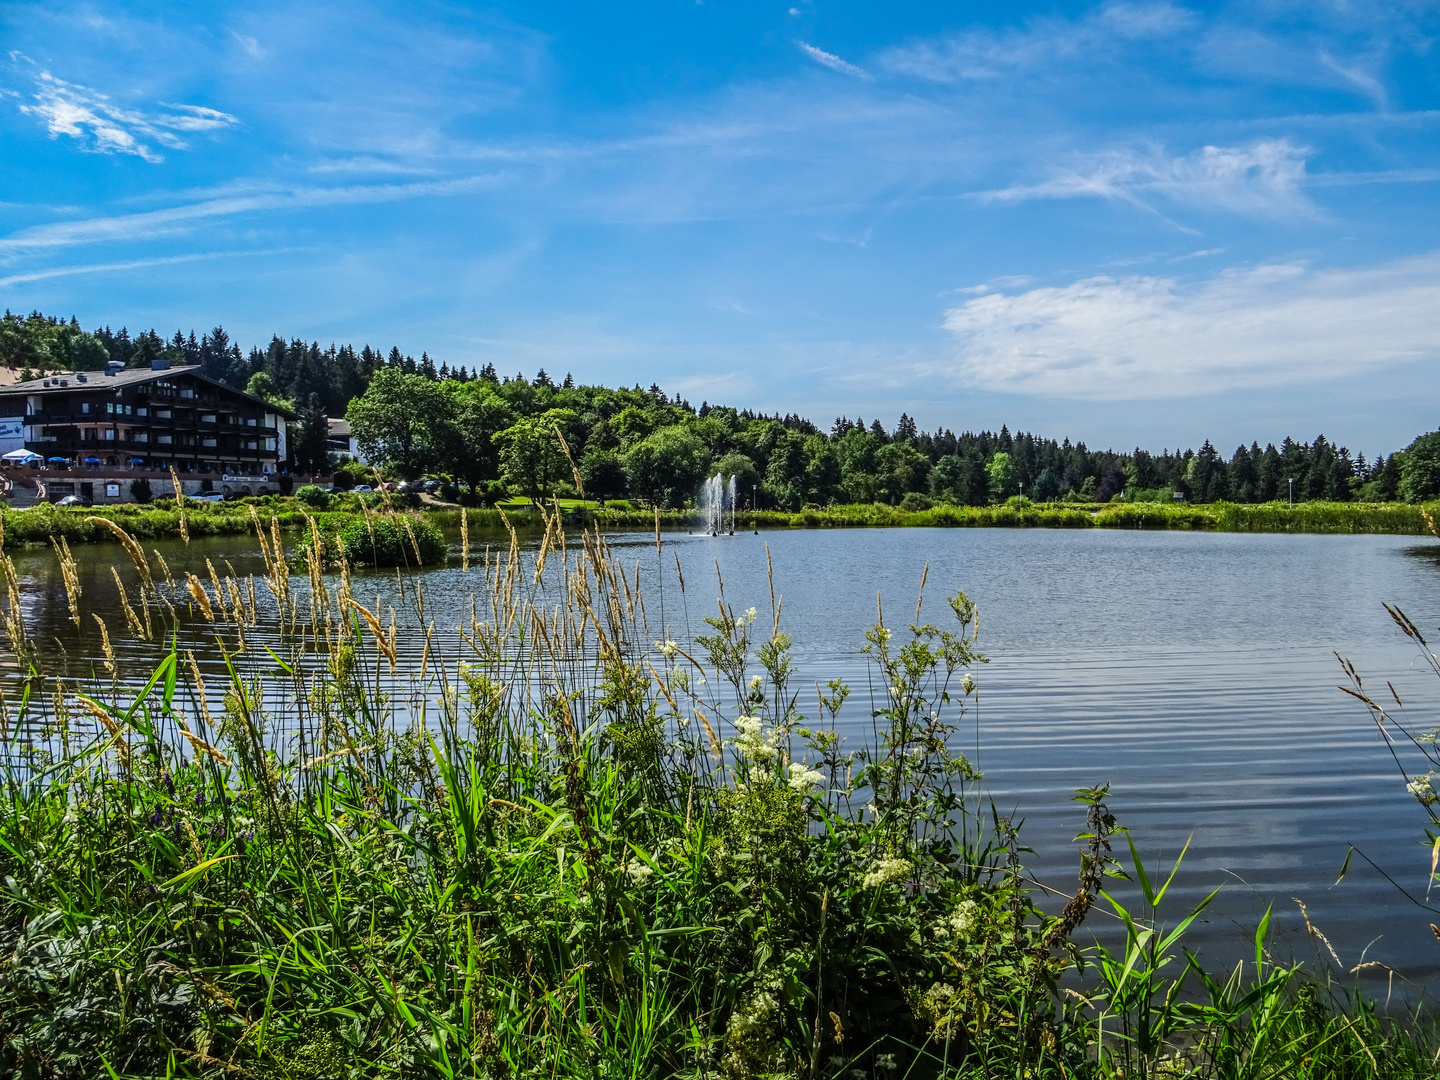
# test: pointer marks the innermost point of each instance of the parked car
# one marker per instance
(432, 486)
(70, 500)
(209, 496)
(362, 489)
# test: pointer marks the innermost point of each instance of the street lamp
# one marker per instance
(1292, 491)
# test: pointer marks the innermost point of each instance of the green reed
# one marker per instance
(575, 847)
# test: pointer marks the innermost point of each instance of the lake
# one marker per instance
(1191, 671)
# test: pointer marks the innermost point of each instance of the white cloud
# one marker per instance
(101, 126)
(989, 54)
(177, 219)
(133, 264)
(1261, 179)
(251, 46)
(833, 62)
(1107, 338)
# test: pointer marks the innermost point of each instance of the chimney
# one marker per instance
(159, 365)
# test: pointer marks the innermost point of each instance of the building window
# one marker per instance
(207, 418)
(85, 408)
(110, 434)
(110, 408)
(208, 442)
(142, 411)
(269, 444)
(164, 440)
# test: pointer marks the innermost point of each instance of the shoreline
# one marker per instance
(37, 525)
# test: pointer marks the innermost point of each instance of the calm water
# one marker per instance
(1192, 672)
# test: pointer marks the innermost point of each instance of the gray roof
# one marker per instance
(338, 428)
(72, 380)
(123, 377)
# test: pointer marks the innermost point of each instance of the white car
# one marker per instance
(209, 496)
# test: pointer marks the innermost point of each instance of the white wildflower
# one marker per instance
(750, 615)
(1428, 737)
(667, 648)
(887, 872)
(639, 871)
(1422, 789)
(755, 682)
(804, 779)
(755, 744)
(884, 634)
(968, 683)
(962, 923)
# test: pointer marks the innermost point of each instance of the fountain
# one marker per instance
(717, 497)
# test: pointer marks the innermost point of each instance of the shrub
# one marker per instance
(313, 495)
(352, 473)
(140, 490)
(387, 540)
(286, 483)
(914, 502)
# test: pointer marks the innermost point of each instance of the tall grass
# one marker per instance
(580, 849)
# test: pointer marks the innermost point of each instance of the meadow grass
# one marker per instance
(578, 849)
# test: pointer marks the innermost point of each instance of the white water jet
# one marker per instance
(716, 498)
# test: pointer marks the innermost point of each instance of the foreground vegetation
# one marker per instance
(580, 849)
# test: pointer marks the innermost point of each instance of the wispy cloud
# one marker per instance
(99, 125)
(833, 62)
(250, 45)
(1262, 179)
(176, 219)
(1113, 339)
(989, 54)
(133, 264)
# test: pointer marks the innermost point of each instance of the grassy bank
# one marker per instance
(1312, 517)
(577, 853)
(161, 520)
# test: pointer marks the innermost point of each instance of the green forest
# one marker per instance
(494, 434)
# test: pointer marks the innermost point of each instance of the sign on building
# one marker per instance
(12, 433)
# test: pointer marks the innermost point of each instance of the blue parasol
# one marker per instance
(57, 460)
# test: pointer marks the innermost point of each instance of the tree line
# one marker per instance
(483, 429)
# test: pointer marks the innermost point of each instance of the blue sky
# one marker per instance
(1129, 223)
